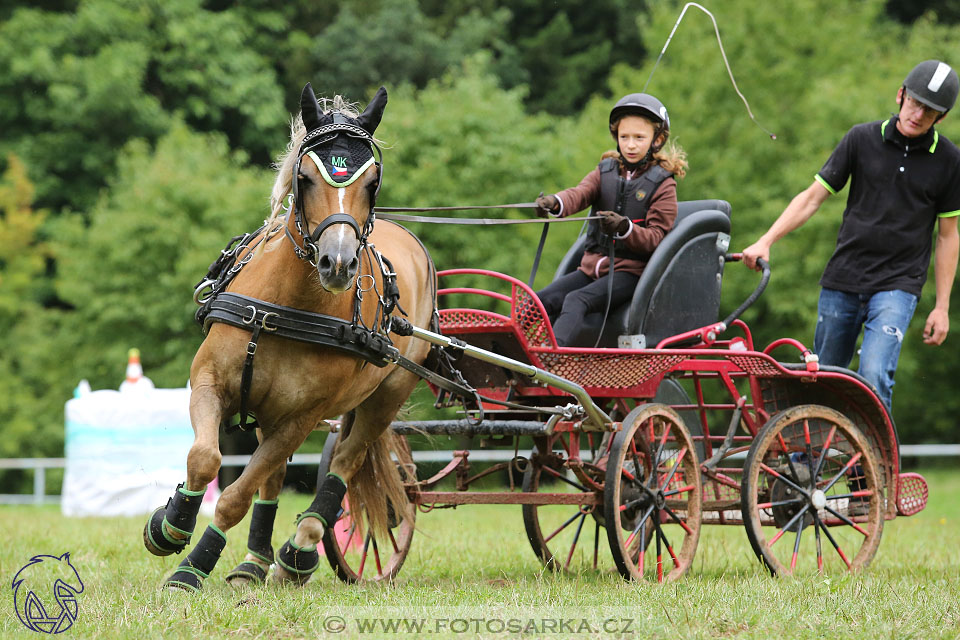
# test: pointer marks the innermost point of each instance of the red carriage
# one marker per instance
(675, 421)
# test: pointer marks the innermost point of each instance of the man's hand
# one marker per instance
(546, 205)
(756, 250)
(613, 223)
(938, 325)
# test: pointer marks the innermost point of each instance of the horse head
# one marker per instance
(336, 184)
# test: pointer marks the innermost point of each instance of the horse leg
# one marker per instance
(361, 444)
(364, 456)
(170, 528)
(256, 564)
(233, 505)
(295, 562)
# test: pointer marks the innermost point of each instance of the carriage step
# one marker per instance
(913, 494)
(467, 428)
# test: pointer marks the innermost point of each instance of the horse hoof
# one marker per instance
(155, 538)
(184, 581)
(247, 573)
(287, 578)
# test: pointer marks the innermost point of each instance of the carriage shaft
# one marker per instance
(596, 419)
(439, 498)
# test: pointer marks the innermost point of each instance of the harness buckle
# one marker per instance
(251, 348)
(263, 321)
(200, 296)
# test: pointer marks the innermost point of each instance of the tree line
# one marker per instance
(137, 137)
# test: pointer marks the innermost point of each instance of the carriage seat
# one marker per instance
(679, 289)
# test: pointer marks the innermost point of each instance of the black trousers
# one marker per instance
(570, 298)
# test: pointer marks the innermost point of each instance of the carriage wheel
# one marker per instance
(653, 488)
(366, 558)
(810, 466)
(566, 536)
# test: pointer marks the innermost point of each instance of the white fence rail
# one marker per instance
(40, 465)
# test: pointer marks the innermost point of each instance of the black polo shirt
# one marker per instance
(899, 187)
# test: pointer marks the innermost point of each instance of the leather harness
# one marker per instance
(352, 337)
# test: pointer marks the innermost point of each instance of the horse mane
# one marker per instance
(283, 184)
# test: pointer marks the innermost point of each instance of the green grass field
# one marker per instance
(471, 573)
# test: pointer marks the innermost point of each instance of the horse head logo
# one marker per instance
(45, 593)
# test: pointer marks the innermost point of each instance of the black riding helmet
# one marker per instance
(933, 83)
(647, 106)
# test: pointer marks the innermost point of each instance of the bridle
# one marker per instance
(314, 140)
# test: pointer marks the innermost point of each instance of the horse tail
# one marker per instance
(378, 484)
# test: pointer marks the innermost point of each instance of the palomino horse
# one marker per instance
(298, 334)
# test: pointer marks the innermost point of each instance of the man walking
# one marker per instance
(904, 180)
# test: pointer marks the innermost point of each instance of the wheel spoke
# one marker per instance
(784, 479)
(809, 450)
(643, 520)
(786, 452)
(393, 541)
(564, 525)
(824, 449)
(673, 471)
(559, 476)
(677, 519)
(863, 493)
(653, 438)
(637, 466)
(659, 554)
(787, 526)
(826, 532)
(796, 550)
(631, 504)
(363, 557)
(852, 461)
(576, 538)
(674, 492)
(596, 544)
(376, 556)
(779, 503)
(816, 532)
(847, 521)
(353, 530)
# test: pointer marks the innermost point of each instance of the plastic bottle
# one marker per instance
(82, 389)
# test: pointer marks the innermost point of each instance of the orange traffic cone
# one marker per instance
(134, 368)
(135, 378)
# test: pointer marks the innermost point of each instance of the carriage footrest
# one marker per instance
(912, 496)
(467, 428)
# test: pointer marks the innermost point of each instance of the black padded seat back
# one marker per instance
(679, 289)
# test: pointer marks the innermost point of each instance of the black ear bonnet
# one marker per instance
(343, 148)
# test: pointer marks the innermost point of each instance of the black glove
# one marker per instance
(613, 223)
(546, 205)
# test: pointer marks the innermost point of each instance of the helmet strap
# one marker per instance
(903, 92)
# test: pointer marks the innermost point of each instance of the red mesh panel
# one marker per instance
(527, 314)
(613, 371)
(453, 319)
(913, 494)
(755, 365)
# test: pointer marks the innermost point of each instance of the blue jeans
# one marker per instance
(884, 317)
